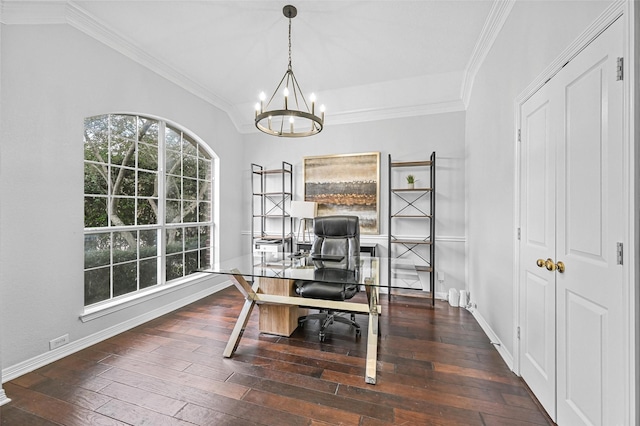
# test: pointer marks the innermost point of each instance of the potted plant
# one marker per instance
(411, 180)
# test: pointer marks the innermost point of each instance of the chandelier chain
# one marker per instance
(289, 42)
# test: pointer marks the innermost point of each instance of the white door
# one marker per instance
(582, 108)
(538, 243)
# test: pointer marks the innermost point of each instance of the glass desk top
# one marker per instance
(371, 271)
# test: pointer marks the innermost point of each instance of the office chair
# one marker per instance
(336, 257)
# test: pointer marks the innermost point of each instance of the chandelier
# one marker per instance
(295, 119)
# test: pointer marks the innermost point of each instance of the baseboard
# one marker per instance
(3, 397)
(34, 363)
(495, 341)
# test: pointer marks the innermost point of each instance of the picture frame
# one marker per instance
(345, 184)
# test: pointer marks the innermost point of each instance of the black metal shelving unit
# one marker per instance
(271, 194)
(416, 204)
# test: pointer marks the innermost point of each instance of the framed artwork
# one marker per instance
(345, 184)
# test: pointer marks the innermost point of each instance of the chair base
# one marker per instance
(327, 318)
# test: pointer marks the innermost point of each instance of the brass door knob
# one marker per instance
(560, 266)
(550, 265)
(540, 263)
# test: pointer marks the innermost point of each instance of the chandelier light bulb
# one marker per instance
(262, 96)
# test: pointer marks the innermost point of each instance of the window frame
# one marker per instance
(162, 286)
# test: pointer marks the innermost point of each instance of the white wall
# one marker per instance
(405, 139)
(54, 76)
(535, 33)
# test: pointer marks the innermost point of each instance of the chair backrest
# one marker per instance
(337, 236)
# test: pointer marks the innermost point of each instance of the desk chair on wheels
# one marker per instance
(336, 257)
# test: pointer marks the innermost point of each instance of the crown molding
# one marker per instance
(498, 14)
(368, 115)
(82, 20)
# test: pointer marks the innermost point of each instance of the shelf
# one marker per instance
(279, 216)
(272, 237)
(410, 163)
(417, 242)
(411, 190)
(404, 216)
(272, 172)
(288, 194)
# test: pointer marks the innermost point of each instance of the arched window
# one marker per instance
(147, 205)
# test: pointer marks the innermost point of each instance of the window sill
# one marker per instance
(94, 312)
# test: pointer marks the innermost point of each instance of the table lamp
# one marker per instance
(304, 211)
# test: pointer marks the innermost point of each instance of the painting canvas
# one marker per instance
(345, 184)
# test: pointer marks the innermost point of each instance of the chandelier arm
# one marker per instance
(295, 84)
(277, 89)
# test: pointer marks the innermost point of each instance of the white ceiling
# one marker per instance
(363, 59)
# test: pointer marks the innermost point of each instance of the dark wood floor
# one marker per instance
(435, 366)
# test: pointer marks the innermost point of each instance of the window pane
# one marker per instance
(190, 166)
(190, 262)
(125, 246)
(125, 278)
(123, 211)
(147, 156)
(123, 152)
(172, 139)
(174, 212)
(97, 250)
(191, 238)
(147, 211)
(123, 181)
(205, 236)
(189, 146)
(190, 189)
(204, 169)
(95, 178)
(173, 162)
(148, 130)
(97, 285)
(174, 240)
(148, 272)
(190, 211)
(204, 212)
(123, 125)
(174, 187)
(147, 184)
(204, 190)
(148, 243)
(175, 267)
(95, 212)
(96, 139)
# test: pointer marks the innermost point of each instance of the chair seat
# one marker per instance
(320, 290)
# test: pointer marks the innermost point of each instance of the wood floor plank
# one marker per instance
(435, 367)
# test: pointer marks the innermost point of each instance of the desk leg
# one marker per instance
(372, 336)
(249, 292)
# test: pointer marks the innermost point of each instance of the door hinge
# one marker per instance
(519, 135)
(518, 233)
(518, 333)
(619, 251)
(619, 65)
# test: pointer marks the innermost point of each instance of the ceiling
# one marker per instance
(365, 60)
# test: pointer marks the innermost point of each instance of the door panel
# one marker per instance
(537, 301)
(590, 220)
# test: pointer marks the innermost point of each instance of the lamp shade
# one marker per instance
(304, 209)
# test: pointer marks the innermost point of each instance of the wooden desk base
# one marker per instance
(281, 320)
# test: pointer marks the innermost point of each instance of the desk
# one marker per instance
(285, 267)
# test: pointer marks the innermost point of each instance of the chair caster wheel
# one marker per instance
(321, 337)
(358, 332)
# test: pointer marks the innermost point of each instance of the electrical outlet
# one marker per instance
(440, 276)
(59, 341)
